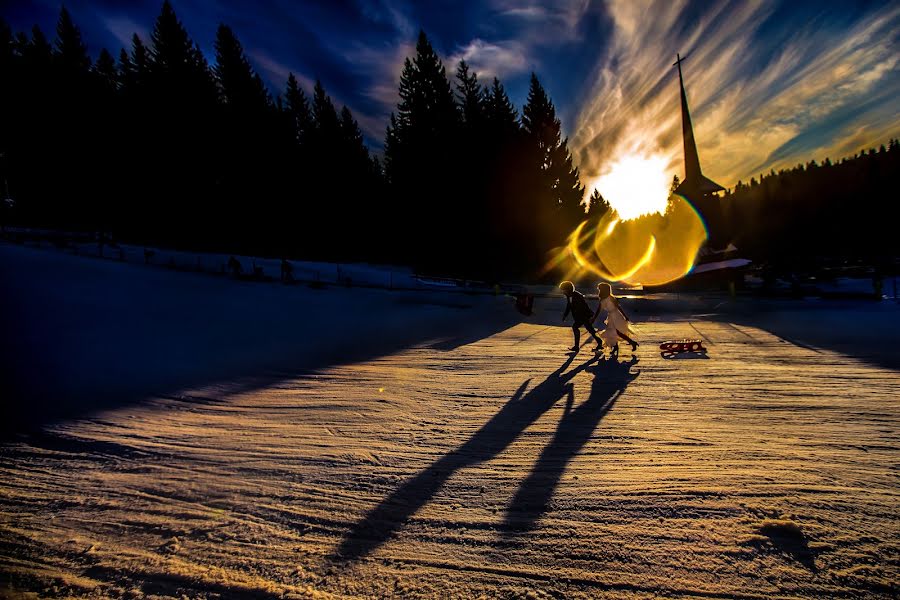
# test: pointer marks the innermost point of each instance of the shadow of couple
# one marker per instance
(532, 498)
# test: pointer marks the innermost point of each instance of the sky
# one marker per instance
(770, 83)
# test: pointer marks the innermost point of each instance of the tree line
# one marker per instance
(819, 214)
(158, 146)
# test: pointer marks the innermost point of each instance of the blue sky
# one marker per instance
(771, 83)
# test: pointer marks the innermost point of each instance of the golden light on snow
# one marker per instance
(652, 249)
(635, 185)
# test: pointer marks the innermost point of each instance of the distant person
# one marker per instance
(525, 303)
(287, 271)
(234, 265)
(617, 322)
(581, 314)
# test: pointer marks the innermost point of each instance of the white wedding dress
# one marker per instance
(615, 322)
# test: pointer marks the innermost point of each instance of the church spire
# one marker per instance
(694, 184)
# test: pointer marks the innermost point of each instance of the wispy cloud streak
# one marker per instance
(771, 82)
(754, 107)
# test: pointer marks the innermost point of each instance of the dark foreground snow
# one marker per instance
(203, 438)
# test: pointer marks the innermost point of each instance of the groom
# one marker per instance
(581, 313)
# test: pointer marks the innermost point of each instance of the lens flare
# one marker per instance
(649, 250)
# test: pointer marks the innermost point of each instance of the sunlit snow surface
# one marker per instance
(471, 458)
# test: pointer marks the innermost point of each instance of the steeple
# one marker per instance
(695, 185)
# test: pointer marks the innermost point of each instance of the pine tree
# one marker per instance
(597, 205)
(298, 111)
(559, 189)
(125, 70)
(240, 87)
(37, 51)
(392, 151)
(185, 147)
(140, 58)
(423, 139)
(354, 149)
(426, 100)
(501, 114)
(177, 67)
(675, 183)
(470, 96)
(105, 70)
(325, 116)
(71, 51)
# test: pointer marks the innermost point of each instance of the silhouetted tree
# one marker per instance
(422, 141)
(597, 205)
(183, 142)
(240, 87)
(71, 52)
(502, 119)
(297, 108)
(470, 96)
(558, 191)
(105, 70)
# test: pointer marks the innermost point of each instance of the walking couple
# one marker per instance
(618, 324)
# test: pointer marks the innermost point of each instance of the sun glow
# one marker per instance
(635, 185)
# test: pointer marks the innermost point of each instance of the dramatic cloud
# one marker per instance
(765, 91)
(771, 82)
(492, 59)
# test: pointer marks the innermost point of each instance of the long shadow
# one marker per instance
(865, 330)
(80, 335)
(575, 429)
(499, 432)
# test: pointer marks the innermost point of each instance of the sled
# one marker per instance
(677, 346)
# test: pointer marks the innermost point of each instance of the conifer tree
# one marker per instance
(392, 150)
(105, 70)
(470, 96)
(423, 140)
(325, 118)
(559, 191)
(125, 70)
(501, 114)
(177, 66)
(354, 149)
(37, 52)
(184, 146)
(297, 108)
(140, 59)
(240, 87)
(71, 51)
(426, 100)
(597, 205)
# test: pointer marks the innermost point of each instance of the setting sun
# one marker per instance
(635, 185)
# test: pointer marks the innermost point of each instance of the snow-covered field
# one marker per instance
(197, 437)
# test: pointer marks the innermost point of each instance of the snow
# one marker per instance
(201, 437)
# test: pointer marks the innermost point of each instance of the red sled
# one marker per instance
(682, 346)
